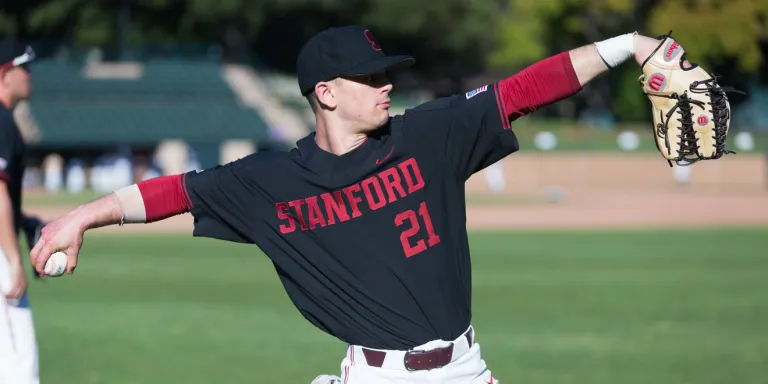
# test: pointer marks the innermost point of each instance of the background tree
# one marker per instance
(452, 39)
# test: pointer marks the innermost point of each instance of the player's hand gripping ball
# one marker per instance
(691, 113)
(56, 264)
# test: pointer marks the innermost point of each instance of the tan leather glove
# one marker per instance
(691, 113)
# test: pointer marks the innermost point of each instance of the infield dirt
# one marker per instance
(589, 191)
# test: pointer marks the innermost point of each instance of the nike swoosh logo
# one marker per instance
(379, 161)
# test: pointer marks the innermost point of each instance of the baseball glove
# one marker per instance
(691, 113)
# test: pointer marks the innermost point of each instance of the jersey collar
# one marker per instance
(321, 161)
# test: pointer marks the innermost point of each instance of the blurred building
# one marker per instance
(117, 122)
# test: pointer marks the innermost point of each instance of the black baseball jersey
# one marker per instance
(371, 246)
(12, 149)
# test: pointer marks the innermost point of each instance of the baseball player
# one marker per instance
(364, 220)
(18, 347)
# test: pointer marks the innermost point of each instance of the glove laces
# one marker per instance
(688, 152)
(720, 112)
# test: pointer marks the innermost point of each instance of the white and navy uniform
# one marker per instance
(18, 345)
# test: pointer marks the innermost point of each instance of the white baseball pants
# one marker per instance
(18, 346)
(466, 366)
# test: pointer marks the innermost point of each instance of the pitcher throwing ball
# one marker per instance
(365, 219)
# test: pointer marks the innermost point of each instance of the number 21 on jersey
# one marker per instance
(412, 237)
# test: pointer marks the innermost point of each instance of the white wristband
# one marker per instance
(616, 50)
(131, 204)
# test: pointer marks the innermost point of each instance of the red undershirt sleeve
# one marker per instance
(543, 83)
(473, 130)
(164, 197)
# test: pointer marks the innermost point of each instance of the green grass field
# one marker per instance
(550, 307)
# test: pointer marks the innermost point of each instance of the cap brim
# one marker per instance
(20, 60)
(380, 64)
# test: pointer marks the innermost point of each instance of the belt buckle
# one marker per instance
(417, 352)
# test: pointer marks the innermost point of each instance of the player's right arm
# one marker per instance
(220, 199)
(147, 201)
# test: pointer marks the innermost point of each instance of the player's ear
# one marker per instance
(325, 96)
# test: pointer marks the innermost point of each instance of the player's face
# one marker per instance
(364, 100)
(19, 81)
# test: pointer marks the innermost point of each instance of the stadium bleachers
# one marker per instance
(186, 100)
(72, 124)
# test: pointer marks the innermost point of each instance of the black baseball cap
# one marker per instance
(14, 53)
(343, 51)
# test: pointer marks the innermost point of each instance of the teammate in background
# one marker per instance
(494, 177)
(365, 219)
(18, 346)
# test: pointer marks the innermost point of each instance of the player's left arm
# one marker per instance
(478, 132)
(563, 75)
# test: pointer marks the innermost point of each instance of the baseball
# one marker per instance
(56, 264)
(545, 141)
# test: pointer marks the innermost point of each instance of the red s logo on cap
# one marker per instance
(372, 40)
